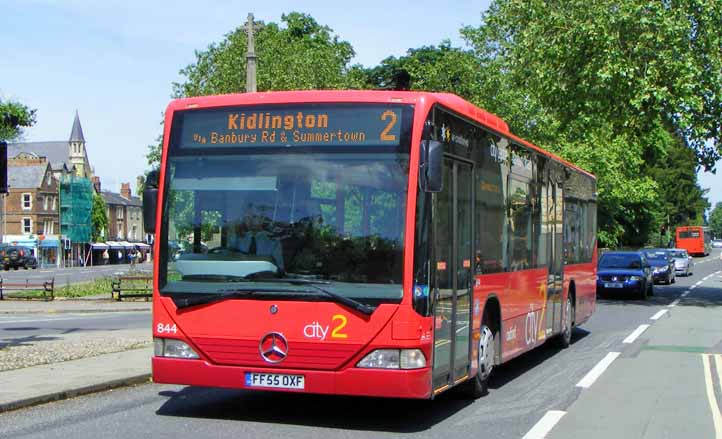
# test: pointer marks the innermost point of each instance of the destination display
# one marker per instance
(330, 125)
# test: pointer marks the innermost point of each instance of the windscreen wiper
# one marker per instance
(338, 298)
(195, 299)
(237, 293)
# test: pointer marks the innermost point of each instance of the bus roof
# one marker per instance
(448, 100)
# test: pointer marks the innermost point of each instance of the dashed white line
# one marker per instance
(673, 304)
(637, 332)
(698, 283)
(659, 314)
(684, 294)
(598, 370)
(545, 425)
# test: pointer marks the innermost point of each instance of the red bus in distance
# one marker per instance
(697, 240)
(376, 243)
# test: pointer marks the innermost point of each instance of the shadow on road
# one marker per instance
(25, 341)
(352, 413)
(528, 361)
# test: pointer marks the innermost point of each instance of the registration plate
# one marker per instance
(613, 285)
(275, 380)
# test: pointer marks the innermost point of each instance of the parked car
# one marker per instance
(717, 243)
(662, 265)
(16, 257)
(683, 262)
(621, 272)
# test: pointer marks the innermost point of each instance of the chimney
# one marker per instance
(125, 190)
(96, 184)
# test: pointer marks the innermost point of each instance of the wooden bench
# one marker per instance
(47, 288)
(132, 286)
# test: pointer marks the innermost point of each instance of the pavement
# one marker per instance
(29, 386)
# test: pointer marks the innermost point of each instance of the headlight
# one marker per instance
(393, 359)
(635, 278)
(169, 347)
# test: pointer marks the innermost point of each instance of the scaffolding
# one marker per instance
(76, 205)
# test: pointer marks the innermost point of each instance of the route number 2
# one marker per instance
(385, 136)
(166, 329)
(336, 333)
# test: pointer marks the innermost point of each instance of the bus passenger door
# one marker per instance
(555, 284)
(452, 231)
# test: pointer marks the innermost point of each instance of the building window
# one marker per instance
(48, 226)
(119, 213)
(27, 201)
(45, 202)
(27, 225)
(55, 199)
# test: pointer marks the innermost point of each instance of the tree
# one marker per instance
(715, 220)
(98, 218)
(303, 55)
(440, 68)
(608, 85)
(14, 116)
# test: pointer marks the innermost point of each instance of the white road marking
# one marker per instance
(685, 293)
(709, 384)
(545, 425)
(637, 332)
(698, 283)
(74, 317)
(673, 304)
(598, 370)
(659, 314)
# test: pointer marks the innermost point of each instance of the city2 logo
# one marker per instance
(318, 331)
(532, 325)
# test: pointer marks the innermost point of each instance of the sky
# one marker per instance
(115, 61)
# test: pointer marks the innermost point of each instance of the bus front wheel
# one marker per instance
(478, 385)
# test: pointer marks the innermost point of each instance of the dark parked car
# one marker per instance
(16, 257)
(620, 272)
(662, 265)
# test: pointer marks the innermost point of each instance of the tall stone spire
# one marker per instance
(76, 135)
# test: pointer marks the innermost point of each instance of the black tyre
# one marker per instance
(16, 268)
(478, 386)
(565, 338)
(25, 266)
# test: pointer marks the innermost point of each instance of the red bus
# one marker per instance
(377, 243)
(697, 240)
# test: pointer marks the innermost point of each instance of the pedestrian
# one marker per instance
(131, 256)
(106, 257)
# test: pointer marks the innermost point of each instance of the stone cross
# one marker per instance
(251, 55)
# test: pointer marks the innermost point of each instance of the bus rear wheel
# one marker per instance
(478, 385)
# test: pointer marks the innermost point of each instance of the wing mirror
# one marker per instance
(430, 167)
(150, 200)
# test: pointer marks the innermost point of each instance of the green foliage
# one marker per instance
(98, 217)
(715, 220)
(14, 116)
(303, 55)
(609, 86)
(442, 69)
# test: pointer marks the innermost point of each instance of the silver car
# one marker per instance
(683, 263)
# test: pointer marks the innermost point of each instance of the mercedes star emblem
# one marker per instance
(273, 347)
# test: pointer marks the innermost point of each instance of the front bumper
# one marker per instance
(661, 276)
(634, 286)
(389, 383)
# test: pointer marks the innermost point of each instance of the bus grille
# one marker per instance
(301, 355)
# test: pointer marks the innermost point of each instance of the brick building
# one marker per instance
(30, 211)
(125, 214)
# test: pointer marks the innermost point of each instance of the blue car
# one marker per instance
(624, 272)
(662, 265)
